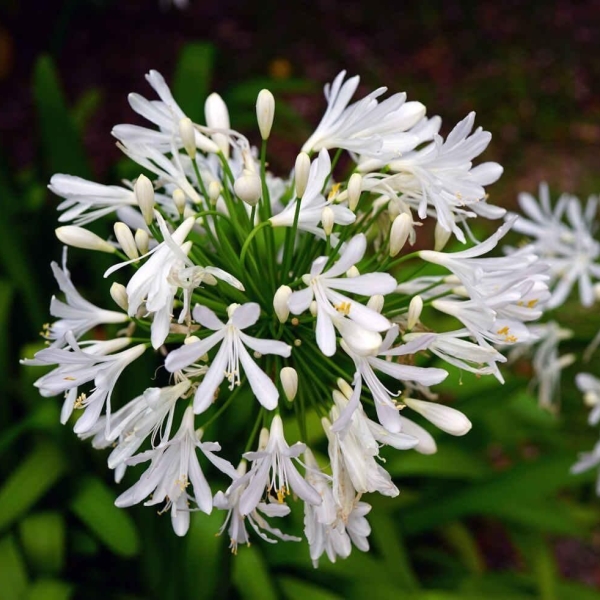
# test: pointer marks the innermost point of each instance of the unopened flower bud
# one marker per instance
(327, 218)
(265, 111)
(78, 237)
(414, 311)
(376, 303)
(280, 303)
(144, 195)
(345, 388)
(313, 308)
(597, 291)
(263, 439)
(352, 272)
(214, 191)
(179, 200)
(289, 382)
(399, 232)
(441, 237)
(125, 239)
(217, 117)
(119, 294)
(188, 136)
(444, 417)
(142, 241)
(354, 189)
(301, 171)
(248, 187)
(394, 208)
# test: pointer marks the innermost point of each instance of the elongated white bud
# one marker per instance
(352, 272)
(280, 303)
(248, 187)
(301, 171)
(447, 419)
(345, 388)
(188, 136)
(78, 237)
(119, 294)
(142, 241)
(313, 308)
(327, 218)
(441, 237)
(263, 439)
(125, 239)
(354, 189)
(414, 311)
(144, 195)
(265, 112)
(426, 443)
(399, 233)
(376, 303)
(214, 191)
(289, 382)
(179, 200)
(217, 117)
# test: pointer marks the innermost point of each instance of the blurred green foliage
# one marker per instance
(61, 536)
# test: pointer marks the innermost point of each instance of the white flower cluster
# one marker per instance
(287, 297)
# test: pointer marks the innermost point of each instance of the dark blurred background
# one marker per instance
(495, 515)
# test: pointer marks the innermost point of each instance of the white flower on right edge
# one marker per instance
(357, 324)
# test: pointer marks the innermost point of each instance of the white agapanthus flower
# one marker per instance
(232, 352)
(335, 310)
(80, 365)
(76, 315)
(243, 285)
(273, 469)
(174, 466)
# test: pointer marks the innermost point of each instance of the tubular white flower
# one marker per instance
(226, 363)
(76, 315)
(273, 469)
(230, 501)
(312, 202)
(333, 307)
(367, 126)
(78, 366)
(174, 465)
(86, 201)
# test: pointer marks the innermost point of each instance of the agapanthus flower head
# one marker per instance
(289, 297)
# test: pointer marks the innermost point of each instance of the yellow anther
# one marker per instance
(343, 307)
(79, 401)
(503, 331)
(69, 378)
(532, 303)
(334, 191)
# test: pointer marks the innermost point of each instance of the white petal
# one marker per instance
(262, 386)
(447, 419)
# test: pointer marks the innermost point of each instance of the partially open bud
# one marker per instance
(265, 112)
(217, 117)
(144, 195)
(301, 172)
(441, 237)
(354, 189)
(179, 200)
(376, 303)
(289, 382)
(125, 239)
(399, 232)
(327, 217)
(248, 187)
(414, 311)
(142, 241)
(188, 136)
(119, 294)
(214, 191)
(447, 419)
(78, 237)
(280, 303)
